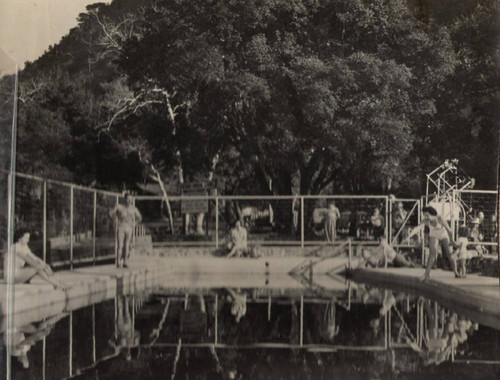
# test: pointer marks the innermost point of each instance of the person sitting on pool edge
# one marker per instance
(384, 254)
(26, 265)
(238, 240)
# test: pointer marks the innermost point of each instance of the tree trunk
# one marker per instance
(158, 179)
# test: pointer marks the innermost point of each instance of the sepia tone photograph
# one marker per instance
(249, 189)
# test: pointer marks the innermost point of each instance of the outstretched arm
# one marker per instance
(138, 216)
(414, 232)
(113, 211)
(446, 226)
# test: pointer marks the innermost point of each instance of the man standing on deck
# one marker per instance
(127, 217)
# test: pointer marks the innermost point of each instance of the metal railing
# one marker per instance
(270, 220)
(478, 211)
(69, 224)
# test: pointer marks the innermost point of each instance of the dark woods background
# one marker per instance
(278, 96)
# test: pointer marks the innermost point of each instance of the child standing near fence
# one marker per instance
(461, 253)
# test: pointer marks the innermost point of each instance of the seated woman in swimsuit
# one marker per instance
(26, 264)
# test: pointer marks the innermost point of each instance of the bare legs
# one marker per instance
(124, 238)
(433, 246)
(25, 274)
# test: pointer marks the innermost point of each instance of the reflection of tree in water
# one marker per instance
(326, 323)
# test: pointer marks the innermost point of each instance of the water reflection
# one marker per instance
(248, 333)
(125, 336)
(20, 339)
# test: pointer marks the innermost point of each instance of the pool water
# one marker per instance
(260, 333)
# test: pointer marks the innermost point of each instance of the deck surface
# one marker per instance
(477, 296)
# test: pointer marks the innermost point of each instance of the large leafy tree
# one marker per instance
(320, 93)
(279, 96)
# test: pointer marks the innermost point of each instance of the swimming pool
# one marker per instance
(352, 332)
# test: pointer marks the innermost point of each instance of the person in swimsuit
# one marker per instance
(238, 244)
(440, 234)
(379, 257)
(127, 217)
(26, 264)
(331, 217)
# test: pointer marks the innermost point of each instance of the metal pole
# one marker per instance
(71, 343)
(302, 222)
(44, 357)
(10, 230)
(386, 330)
(386, 228)
(94, 348)
(349, 294)
(216, 318)
(301, 321)
(349, 262)
(71, 216)
(452, 214)
(427, 190)
(268, 308)
(136, 230)
(389, 324)
(94, 228)
(216, 222)
(389, 222)
(44, 221)
(117, 262)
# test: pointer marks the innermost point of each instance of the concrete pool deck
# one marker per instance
(475, 295)
(88, 285)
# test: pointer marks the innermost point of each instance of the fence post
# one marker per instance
(301, 320)
(216, 221)
(94, 349)
(71, 217)
(117, 262)
(44, 221)
(452, 215)
(94, 228)
(216, 327)
(70, 343)
(389, 221)
(302, 221)
(386, 228)
(349, 253)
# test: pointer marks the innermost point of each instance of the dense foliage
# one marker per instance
(309, 96)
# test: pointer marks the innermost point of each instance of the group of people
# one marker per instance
(332, 216)
(440, 235)
(25, 266)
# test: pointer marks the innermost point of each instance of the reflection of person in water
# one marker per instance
(239, 303)
(124, 337)
(330, 329)
(442, 342)
(21, 339)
